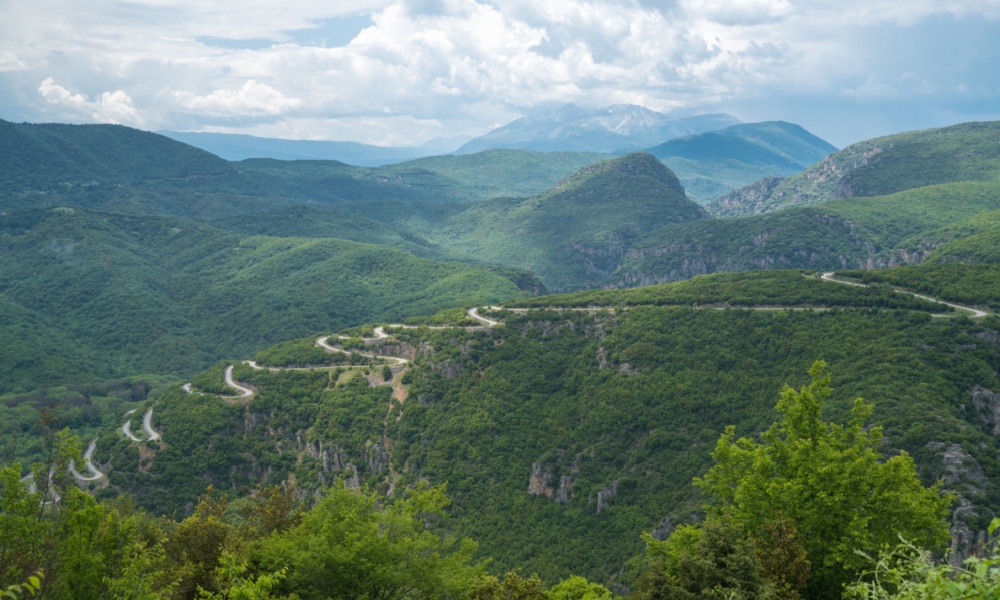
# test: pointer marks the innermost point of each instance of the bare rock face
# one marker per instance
(551, 465)
(448, 369)
(987, 404)
(565, 492)
(605, 495)
(377, 458)
(538, 483)
(963, 475)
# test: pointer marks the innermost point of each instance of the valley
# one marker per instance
(570, 332)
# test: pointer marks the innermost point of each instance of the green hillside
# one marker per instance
(879, 167)
(759, 289)
(501, 172)
(564, 435)
(573, 235)
(132, 294)
(900, 228)
(43, 158)
(970, 284)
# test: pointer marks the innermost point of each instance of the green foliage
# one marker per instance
(88, 410)
(977, 285)
(909, 572)
(511, 587)
(351, 546)
(31, 586)
(880, 167)
(791, 288)
(451, 316)
(136, 295)
(720, 561)
(828, 481)
(300, 353)
(578, 588)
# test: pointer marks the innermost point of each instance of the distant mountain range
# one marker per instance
(232, 146)
(616, 129)
(712, 154)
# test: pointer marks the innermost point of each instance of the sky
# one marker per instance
(402, 72)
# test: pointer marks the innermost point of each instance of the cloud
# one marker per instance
(412, 69)
(253, 99)
(110, 107)
(10, 62)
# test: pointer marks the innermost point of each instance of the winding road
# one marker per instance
(147, 425)
(95, 474)
(244, 392)
(323, 343)
(976, 313)
(127, 430)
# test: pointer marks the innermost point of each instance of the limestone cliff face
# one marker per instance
(962, 474)
(829, 179)
(987, 405)
(539, 482)
(543, 475)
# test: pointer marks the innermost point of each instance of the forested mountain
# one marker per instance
(223, 324)
(142, 294)
(573, 235)
(565, 434)
(713, 163)
(878, 167)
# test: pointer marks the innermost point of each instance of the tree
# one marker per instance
(907, 572)
(352, 546)
(578, 588)
(828, 482)
(714, 560)
(512, 587)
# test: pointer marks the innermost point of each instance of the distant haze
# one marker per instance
(405, 72)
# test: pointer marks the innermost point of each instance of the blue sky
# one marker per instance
(401, 72)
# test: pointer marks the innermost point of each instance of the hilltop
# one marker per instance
(574, 234)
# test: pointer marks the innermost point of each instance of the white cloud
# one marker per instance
(110, 107)
(253, 99)
(425, 68)
(10, 62)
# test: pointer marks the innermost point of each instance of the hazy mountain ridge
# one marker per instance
(716, 162)
(236, 147)
(620, 128)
